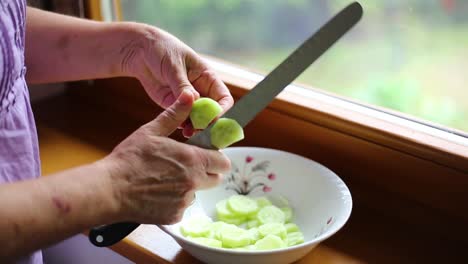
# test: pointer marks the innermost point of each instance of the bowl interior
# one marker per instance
(319, 198)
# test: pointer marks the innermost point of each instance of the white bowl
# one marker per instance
(321, 202)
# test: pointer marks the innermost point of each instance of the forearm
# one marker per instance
(64, 48)
(37, 213)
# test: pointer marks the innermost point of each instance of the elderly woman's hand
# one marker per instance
(165, 66)
(153, 177)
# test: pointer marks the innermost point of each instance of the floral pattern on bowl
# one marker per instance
(252, 176)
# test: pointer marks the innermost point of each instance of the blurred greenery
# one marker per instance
(410, 56)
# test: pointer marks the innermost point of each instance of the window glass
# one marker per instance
(410, 56)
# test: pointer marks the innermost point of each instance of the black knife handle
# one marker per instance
(108, 235)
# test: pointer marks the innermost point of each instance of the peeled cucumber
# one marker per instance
(246, 224)
(270, 242)
(276, 229)
(287, 214)
(233, 236)
(294, 238)
(291, 227)
(262, 202)
(242, 205)
(222, 210)
(196, 227)
(210, 242)
(271, 214)
(204, 110)
(252, 223)
(226, 132)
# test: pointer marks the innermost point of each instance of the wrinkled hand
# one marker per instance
(165, 66)
(154, 177)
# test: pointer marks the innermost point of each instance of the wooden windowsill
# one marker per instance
(73, 132)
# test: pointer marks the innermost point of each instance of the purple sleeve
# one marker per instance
(19, 151)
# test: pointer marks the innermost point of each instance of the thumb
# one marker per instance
(180, 83)
(174, 115)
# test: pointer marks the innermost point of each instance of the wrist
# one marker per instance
(109, 188)
(134, 41)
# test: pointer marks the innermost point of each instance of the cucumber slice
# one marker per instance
(288, 213)
(291, 227)
(270, 214)
(242, 205)
(204, 110)
(196, 226)
(254, 233)
(252, 223)
(236, 220)
(222, 210)
(225, 132)
(270, 242)
(294, 238)
(210, 242)
(276, 229)
(233, 236)
(214, 230)
(262, 202)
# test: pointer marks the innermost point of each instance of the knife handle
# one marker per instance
(108, 235)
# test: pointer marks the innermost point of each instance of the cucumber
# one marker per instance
(291, 227)
(204, 110)
(288, 213)
(214, 230)
(233, 236)
(225, 132)
(271, 214)
(276, 229)
(253, 223)
(222, 210)
(242, 205)
(254, 233)
(270, 242)
(262, 202)
(245, 223)
(294, 238)
(210, 242)
(196, 226)
(236, 220)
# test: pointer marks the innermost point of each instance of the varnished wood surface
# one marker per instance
(74, 132)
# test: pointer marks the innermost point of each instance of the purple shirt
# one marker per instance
(19, 152)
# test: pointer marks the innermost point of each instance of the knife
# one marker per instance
(256, 100)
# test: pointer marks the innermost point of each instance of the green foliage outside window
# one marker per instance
(410, 56)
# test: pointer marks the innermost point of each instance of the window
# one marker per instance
(408, 56)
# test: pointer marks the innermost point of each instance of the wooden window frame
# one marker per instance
(393, 163)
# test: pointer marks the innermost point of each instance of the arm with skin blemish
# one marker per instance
(40, 212)
(147, 178)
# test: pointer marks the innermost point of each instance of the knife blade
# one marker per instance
(256, 100)
(265, 91)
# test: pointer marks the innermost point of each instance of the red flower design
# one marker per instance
(266, 188)
(271, 176)
(248, 159)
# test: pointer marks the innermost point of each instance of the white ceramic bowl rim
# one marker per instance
(328, 233)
